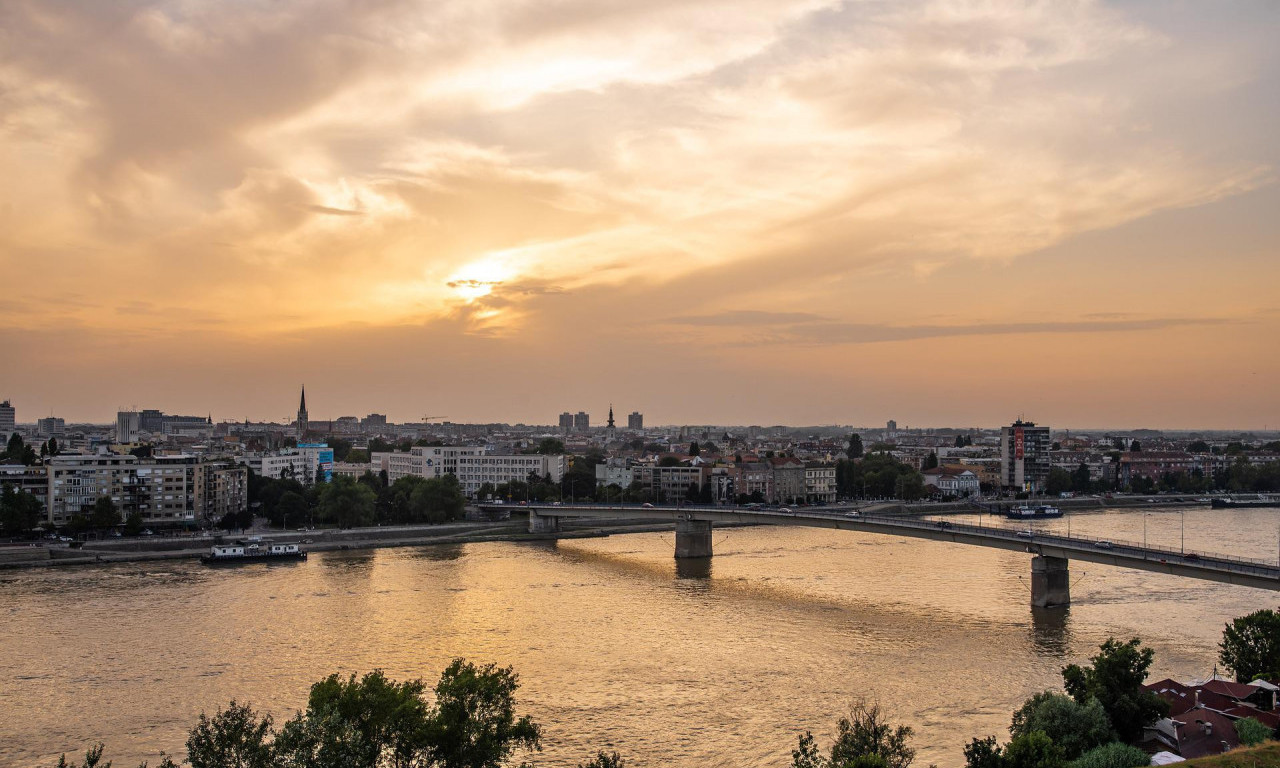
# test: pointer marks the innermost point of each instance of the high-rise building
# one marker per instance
(8, 419)
(76, 481)
(374, 421)
(1024, 456)
(128, 423)
(51, 426)
(891, 427)
(566, 422)
(158, 422)
(635, 421)
(581, 422)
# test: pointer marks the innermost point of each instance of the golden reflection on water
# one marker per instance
(691, 663)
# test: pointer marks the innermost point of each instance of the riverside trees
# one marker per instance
(1250, 645)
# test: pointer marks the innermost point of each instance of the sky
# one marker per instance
(944, 212)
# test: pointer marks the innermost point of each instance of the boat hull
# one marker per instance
(1243, 503)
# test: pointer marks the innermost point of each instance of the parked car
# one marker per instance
(1103, 544)
(1191, 556)
(785, 509)
(647, 504)
(1026, 534)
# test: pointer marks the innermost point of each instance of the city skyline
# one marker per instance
(786, 213)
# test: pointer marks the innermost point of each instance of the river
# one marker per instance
(617, 646)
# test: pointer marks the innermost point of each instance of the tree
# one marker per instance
(54, 448)
(1113, 755)
(346, 502)
(1135, 447)
(105, 514)
(669, 461)
(1076, 728)
(1251, 645)
(930, 461)
(235, 737)
(694, 448)
(19, 511)
(549, 446)
(603, 760)
(13, 450)
(93, 759)
(133, 524)
(1059, 481)
(1115, 680)
(983, 753)
(864, 732)
(1033, 750)
(1082, 479)
(854, 451)
(291, 506)
(1252, 732)
(474, 723)
(1197, 446)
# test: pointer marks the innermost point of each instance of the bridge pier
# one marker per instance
(693, 538)
(543, 523)
(1050, 581)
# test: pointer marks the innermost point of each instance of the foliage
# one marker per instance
(854, 449)
(1251, 732)
(133, 524)
(1033, 750)
(18, 452)
(1115, 680)
(1059, 481)
(930, 461)
(603, 760)
(346, 503)
(422, 500)
(984, 753)
(865, 731)
(1251, 645)
(105, 514)
(474, 724)
(235, 737)
(93, 759)
(878, 475)
(1076, 728)
(1198, 446)
(19, 511)
(551, 447)
(1113, 755)
(694, 448)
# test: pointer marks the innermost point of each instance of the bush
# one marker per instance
(1113, 755)
(1252, 732)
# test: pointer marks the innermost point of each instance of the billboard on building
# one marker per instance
(1019, 443)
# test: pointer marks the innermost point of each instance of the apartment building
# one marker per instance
(1024, 456)
(76, 481)
(475, 470)
(820, 483)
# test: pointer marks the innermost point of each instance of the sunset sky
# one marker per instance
(947, 213)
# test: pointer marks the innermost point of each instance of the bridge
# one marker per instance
(1051, 553)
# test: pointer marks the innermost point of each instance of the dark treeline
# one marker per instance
(348, 503)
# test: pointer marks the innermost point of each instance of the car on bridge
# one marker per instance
(1103, 544)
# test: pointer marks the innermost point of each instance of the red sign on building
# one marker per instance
(1018, 443)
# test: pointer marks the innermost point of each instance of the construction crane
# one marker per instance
(425, 419)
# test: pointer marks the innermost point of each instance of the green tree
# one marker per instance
(292, 506)
(603, 760)
(19, 511)
(1059, 481)
(984, 753)
(1198, 446)
(864, 732)
(105, 514)
(1033, 750)
(1082, 479)
(1113, 755)
(854, 450)
(235, 737)
(1135, 447)
(1076, 728)
(550, 446)
(694, 448)
(474, 723)
(1115, 679)
(346, 503)
(13, 449)
(1251, 645)
(930, 461)
(362, 724)
(133, 524)
(1251, 731)
(93, 759)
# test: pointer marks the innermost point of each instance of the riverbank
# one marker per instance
(325, 540)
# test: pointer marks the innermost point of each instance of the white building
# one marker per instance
(954, 481)
(470, 464)
(128, 424)
(820, 483)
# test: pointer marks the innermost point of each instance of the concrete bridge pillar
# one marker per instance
(543, 523)
(693, 538)
(1050, 581)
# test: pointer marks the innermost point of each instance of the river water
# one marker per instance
(617, 646)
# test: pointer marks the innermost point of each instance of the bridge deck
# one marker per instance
(1199, 565)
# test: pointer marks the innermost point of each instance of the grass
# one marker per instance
(1263, 756)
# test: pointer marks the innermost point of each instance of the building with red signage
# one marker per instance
(1024, 457)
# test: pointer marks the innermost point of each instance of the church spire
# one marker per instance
(302, 405)
(610, 415)
(302, 414)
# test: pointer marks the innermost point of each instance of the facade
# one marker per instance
(475, 470)
(374, 422)
(669, 485)
(293, 463)
(8, 419)
(614, 472)
(222, 487)
(128, 425)
(820, 483)
(754, 478)
(788, 480)
(1024, 457)
(566, 422)
(166, 489)
(581, 421)
(50, 427)
(953, 480)
(157, 422)
(635, 421)
(76, 481)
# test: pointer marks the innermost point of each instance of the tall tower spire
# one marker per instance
(302, 414)
(610, 415)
